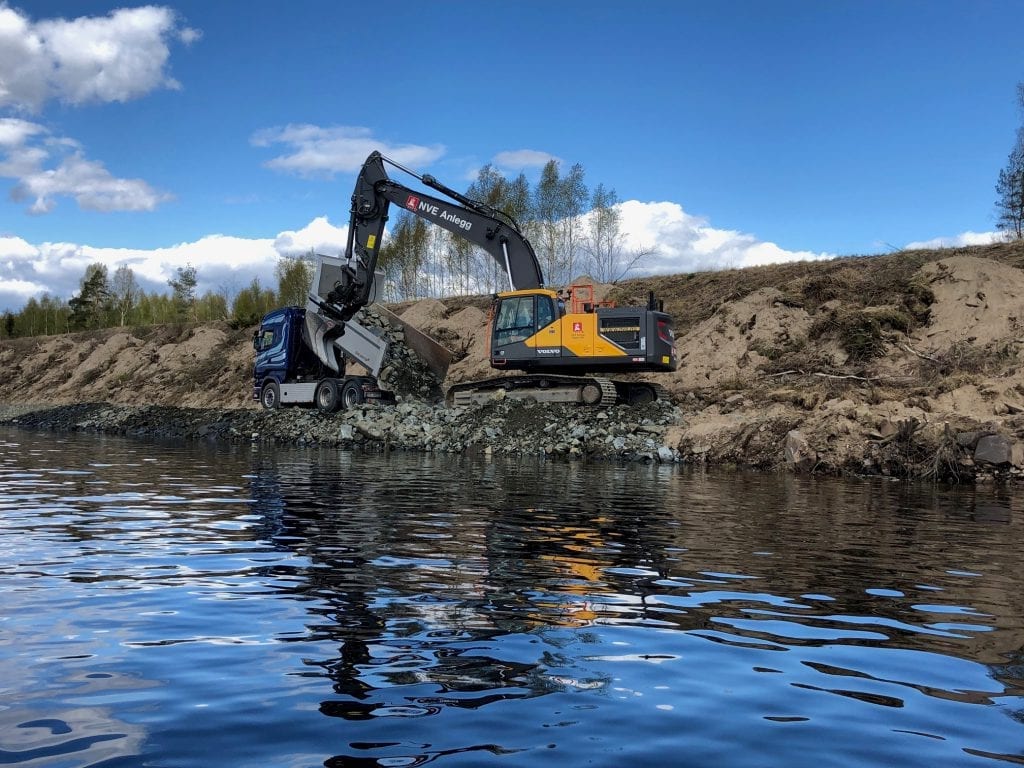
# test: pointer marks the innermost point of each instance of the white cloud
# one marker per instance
(223, 263)
(14, 132)
(22, 288)
(315, 151)
(319, 236)
(685, 243)
(957, 241)
(16, 248)
(518, 159)
(46, 167)
(117, 57)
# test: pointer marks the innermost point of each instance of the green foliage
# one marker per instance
(294, 278)
(100, 303)
(89, 309)
(251, 304)
(183, 284)
(125, 292)
(211, 306)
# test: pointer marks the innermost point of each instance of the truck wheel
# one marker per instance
(352, 394)
(270, 395)
(327, 396)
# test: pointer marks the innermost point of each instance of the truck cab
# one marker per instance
(280, 355)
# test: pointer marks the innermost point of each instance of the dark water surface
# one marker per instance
(175, 606)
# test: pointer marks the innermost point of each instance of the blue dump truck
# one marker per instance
(302, 354)
(287, 372)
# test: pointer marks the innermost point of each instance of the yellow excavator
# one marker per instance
(563, 348)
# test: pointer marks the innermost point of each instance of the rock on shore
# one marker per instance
(501, 426)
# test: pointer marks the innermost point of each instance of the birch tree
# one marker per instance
(125, 290)
(573, 198)
(547, 209)
(294, 278)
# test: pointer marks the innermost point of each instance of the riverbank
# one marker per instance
(771, 437)
(907, 365)
(501, 427)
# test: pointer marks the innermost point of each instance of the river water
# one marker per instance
(188, 605)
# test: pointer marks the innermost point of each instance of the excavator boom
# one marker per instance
(491, 230)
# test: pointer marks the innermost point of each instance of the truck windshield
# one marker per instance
(265, 339)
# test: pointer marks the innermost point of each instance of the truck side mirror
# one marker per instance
(256, 340)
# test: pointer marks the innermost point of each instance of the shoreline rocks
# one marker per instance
(758, 438)
(499, 427)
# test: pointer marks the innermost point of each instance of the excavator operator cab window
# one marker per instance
(515, 320)
(520, 317)
(545, 312)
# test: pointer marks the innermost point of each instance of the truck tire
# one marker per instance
(270, 395)
(352, 394)
(327, 396)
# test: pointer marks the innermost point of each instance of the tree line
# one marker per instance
(1010, 186)
(108, 301)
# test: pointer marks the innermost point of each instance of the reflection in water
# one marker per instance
(168, 603)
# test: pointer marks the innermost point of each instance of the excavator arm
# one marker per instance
(490, 229)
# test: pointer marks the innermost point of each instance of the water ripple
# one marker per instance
(164, 603)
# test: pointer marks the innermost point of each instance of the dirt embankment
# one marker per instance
(180, 365)
(904, 364)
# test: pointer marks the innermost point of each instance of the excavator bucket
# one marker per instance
(436, 357)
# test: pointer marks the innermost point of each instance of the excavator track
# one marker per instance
(609, 396)
(545, 388)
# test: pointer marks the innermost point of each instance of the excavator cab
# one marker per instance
(524, 329)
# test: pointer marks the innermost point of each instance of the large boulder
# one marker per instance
(999, 450)
(799, 453)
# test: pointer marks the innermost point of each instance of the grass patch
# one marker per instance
(860, 333)
(965, 358)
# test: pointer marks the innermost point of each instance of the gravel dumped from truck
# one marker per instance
(403, 372)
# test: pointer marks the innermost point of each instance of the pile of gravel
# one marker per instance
(403, 372)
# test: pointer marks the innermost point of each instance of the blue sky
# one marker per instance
(735, 132)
